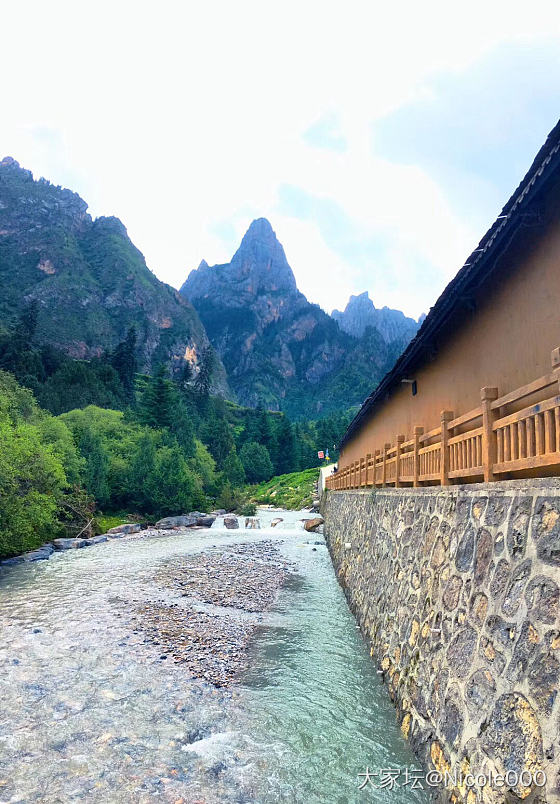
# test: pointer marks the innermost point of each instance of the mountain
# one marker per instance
(278, 349)
(90, 282)
(360, 313)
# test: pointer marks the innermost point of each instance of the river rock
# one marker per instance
(231, 522)
(127, 528)
(183, 521)
(69, 544)
(42, 553)
(205, 521)
(219, 512)
(276, 521)
(96, 539)
(313, 524)
(10, 562)
(252, 522)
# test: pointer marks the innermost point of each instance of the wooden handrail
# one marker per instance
(526, 439)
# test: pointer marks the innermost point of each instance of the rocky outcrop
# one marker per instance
(279, 349)
(360, 313)
(231, 522)
(457, 592)
(193, 519)
(90, 282)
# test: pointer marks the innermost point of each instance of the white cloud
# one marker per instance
(178, 116)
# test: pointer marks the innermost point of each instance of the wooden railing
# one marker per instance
(491, 442)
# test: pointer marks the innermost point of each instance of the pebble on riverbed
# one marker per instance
(213, 646)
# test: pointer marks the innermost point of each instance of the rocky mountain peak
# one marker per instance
(258, 269)
(360, 313)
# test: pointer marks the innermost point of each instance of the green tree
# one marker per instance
(256, 462)
(233, 469)
(287, 458)
(158, 400)
(97, 465)
(124, 362)
(203, 381)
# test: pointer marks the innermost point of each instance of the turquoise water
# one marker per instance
(90, 712)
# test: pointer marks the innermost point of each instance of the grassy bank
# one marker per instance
(293, 491)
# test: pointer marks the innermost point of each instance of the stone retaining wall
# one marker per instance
(457, 592)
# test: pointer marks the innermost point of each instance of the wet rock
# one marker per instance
(276, 521)
(11, 562)
(41, 554)
(127, 528)
(311, 525)
(231, 522)
(205, 521)
(183, 521)
(252, 523)
(96, 540)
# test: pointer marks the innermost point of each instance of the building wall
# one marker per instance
(457, 592)
(506, 343)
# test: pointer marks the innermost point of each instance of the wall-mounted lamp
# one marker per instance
(412, 384)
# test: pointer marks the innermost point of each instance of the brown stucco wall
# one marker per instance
(457, 592)
(506, 342)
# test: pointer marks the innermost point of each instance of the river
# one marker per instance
(91, 712)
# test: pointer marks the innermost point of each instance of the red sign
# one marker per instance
(320, 454)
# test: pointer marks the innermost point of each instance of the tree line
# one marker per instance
(81, 436)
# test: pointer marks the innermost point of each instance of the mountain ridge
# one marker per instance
(89, 280)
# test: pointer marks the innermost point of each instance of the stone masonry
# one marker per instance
(457, 592)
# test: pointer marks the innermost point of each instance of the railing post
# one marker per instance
(418, 431)
(446, 416)
(400, 439)
(368, 460)
(376, 455)
(384, 471)
(487, 395)
(555, 357)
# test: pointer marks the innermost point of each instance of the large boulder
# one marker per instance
(313, 524)
(231, 522)
(183, 521)
(127, 528)
(276, 521)
(69, 544)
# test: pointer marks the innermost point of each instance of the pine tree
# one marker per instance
(287, 460)
(124, 362)
(203, 382)
(158, 400)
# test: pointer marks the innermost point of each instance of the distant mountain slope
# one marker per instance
(360, 313)
(277, 348)
(90, 281)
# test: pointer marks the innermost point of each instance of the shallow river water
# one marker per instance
(90, 712)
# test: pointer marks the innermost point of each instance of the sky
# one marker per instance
(380, 142)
